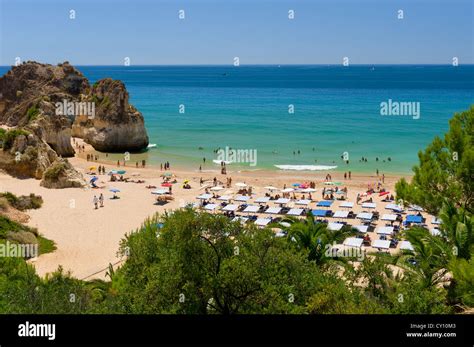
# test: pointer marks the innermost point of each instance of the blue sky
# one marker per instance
(104, 32)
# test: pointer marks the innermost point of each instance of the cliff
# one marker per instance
(117, 126)
(42, 106)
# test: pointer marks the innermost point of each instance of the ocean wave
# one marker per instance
(306, 167)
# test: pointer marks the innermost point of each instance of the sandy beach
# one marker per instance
(87, 239)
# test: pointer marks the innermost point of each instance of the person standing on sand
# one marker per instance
(171, 190)
(118, 163)
(95, 201)
(101, 200)
(349, 175)
(200, 168)
(383, 178)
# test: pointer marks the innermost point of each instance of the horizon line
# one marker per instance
(232, 65)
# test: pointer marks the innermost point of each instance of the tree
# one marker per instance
(197, 263)
(446, 169)
(457, 229)
(463, 278)
(430, 257)
(315, 237)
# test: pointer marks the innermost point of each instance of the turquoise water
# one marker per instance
(336, 110)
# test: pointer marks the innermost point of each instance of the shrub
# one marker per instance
(32, 112)
(3, 204)
(10, 136)
(23, 237)
(45, 245)
(2, 136)
(24, 202)
(7, 225)
(55, 171)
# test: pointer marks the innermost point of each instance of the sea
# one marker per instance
(358, 118)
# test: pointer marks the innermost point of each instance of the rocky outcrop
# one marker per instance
(61, 174)
(41, 104)
(116, 126)
(28, 95)
(26, 156)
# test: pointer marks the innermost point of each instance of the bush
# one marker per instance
(10, 136)
(2, 136)
(23, 237)
(32, 112)
(55, 171)
(4, 204)
(7, 226)
(24, 202)
(45, 245)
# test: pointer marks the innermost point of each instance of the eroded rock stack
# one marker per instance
(36, 130)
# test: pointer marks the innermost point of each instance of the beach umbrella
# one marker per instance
(166, 184)
(384, 193)
(217, 188)
(93, 179)
(186, 181)
(288, 190)
(121, 172)
(240, 184)
(296, 184)
(270, 188)
(329, 183)
(112, 172)
(167, 174)
(114, 190)
(337, 183)
(308, 190)
(92, 168)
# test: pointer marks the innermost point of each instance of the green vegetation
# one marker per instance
(8, 137)
(55, 170)
(32, 112)
(314, 237)
(17, 233)
(446, 170)
(45, 245)
(188, 262)
(7, 225)
(23, 202)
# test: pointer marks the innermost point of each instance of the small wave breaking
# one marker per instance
(306, 167)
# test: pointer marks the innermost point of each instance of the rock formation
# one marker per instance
(37, 130)
(117, 126)
(61, 174)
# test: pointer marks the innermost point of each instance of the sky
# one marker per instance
(105, 32)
